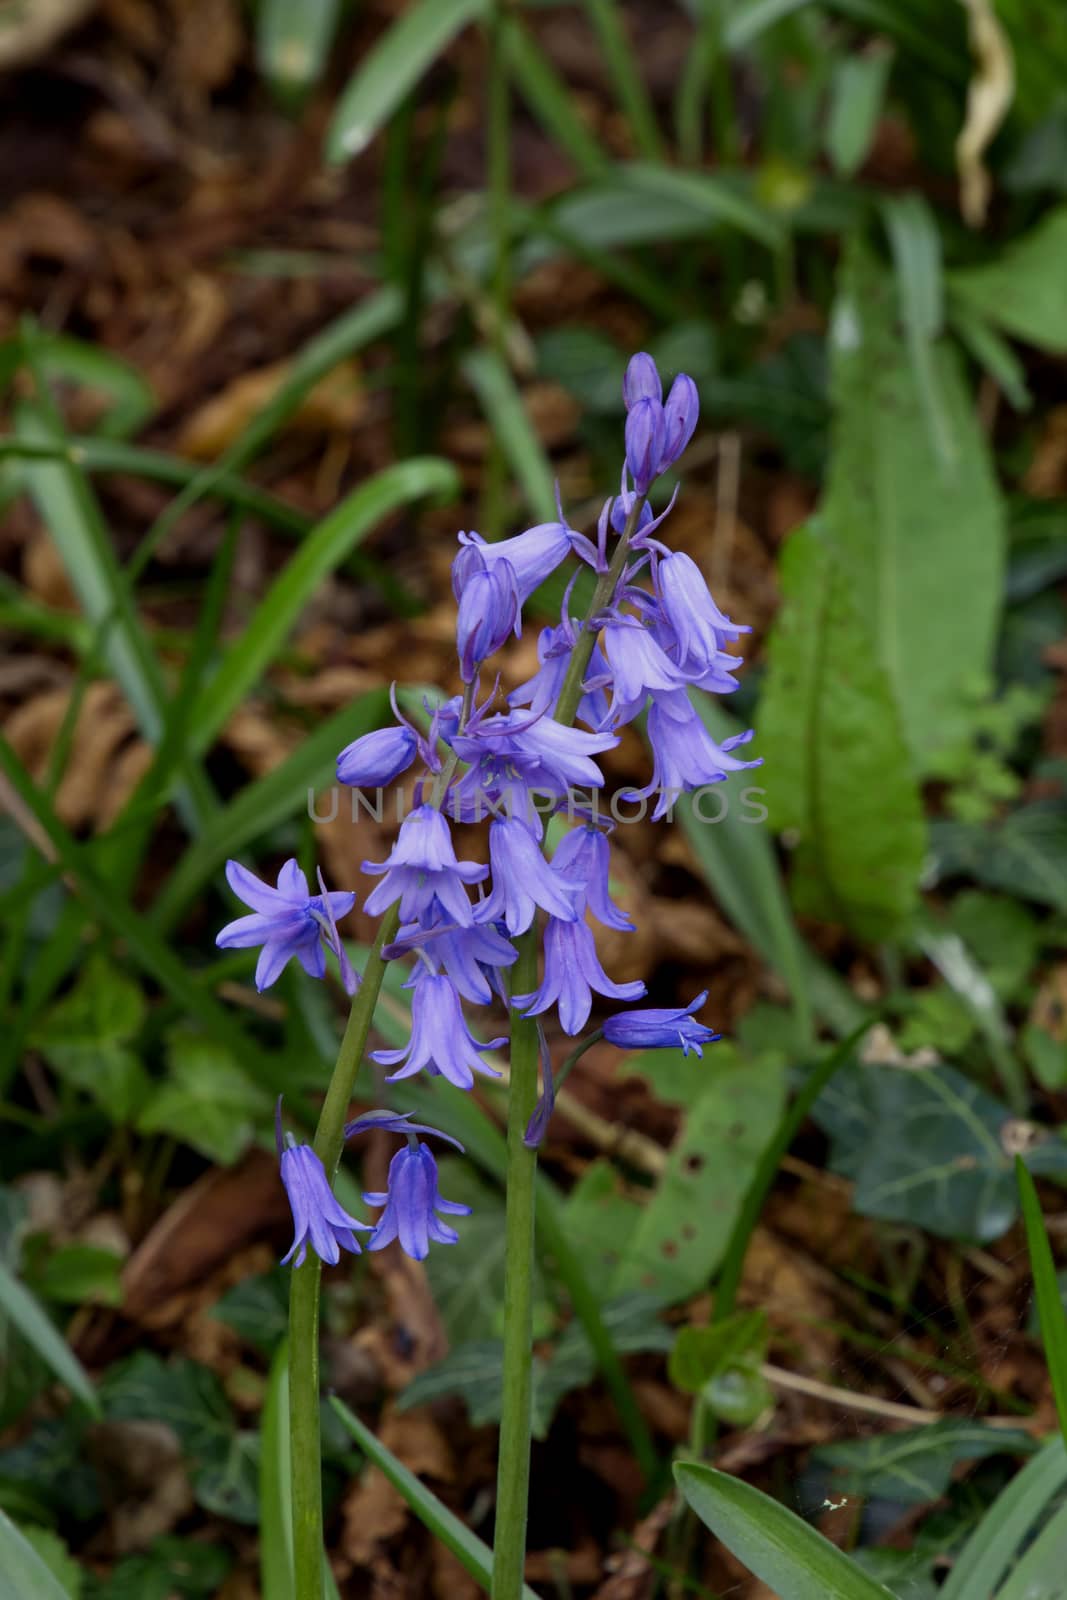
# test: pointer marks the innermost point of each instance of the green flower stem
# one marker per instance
(513, 1466)
(571, 694)
(305, 1281)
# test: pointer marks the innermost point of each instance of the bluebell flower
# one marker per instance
(422, 872)
(511, 754)
(541, 692)
(440, 1039)
(657, 1030)
(572, 972)
(641, 381)
(684, 755)
(533, 555)
(488, 610)
(700, 630)
(680, 419)
(583, 857)
(472, 957)
(523, 880)
(412, 1205)
(319, 1219)
(287, 921)
(639, 667)
(377, 758)
(646, 434)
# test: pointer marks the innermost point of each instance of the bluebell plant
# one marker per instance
(513, 930)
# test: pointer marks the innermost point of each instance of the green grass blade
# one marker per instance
(132, 399)
(18, 1305)
(988, 1552)
(320, 554)
(275, 1499)
(550, 100)
(1046, 1290)
(502, 405)
(392, 68)
(780, 1548)
(1039, 1574)
(293, 44)
(263, 805)
(25, 1576)
(468, 1549)
(70, 512)
(144, 946)
(607, 20)
(707, 195)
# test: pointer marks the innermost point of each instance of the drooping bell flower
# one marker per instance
(657, 1030)
(287, 921)
(413, 1205)
(422, 872)
(572, 973)
(440, 1040)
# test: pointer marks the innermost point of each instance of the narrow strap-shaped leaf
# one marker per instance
(37, 1328)
(1046, 1289)
(468, 1549)
(986, 1555)
(502, 405)
(775, 1544)
(392, 68)
(320, 554)
(23, 1575)
(1039, 1574)
(272, 799)
(275, 1473)
(292, 44)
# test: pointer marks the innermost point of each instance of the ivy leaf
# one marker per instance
(915, 1467)
(86, 1038)
(830, 732)
(701, 1353)
(207, 1100)
(946, 1168)
(1025, 854)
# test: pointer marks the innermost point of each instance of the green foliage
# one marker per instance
(87, 1038)
(1024, 854)
(927, 1147)
(910, 517)
(1052, 1316)
(1024, 290)
(916, 1465)
(29, 1572)
(224, 1460)
(831, 734)
(207, 1099)
(169, 1568)
(791, 1558)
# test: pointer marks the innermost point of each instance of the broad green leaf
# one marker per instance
(679, 1237)
(207, 1099)
(293, 43)
(1024, 289)
(915, 1466)
(908, 527)
(475, 1556)
(50, 1548)
(1047, 1292)
(468, 1283)
(787, 1555)
(324, 549)
(81, 1274)
(701, 1353)
(188, 1397)
(86, 1038)
(991, 1548)
(736, 856)
(170, 1569)
(21, 1309)
(1002, 936)
(916, 247)
(856, 98)
(25, 1575)
(947, 1167)
(1026, 854)
(831, 736)
(392, 68)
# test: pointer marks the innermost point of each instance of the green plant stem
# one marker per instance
(513, 1466)
(305, 1444)
(571, 694)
